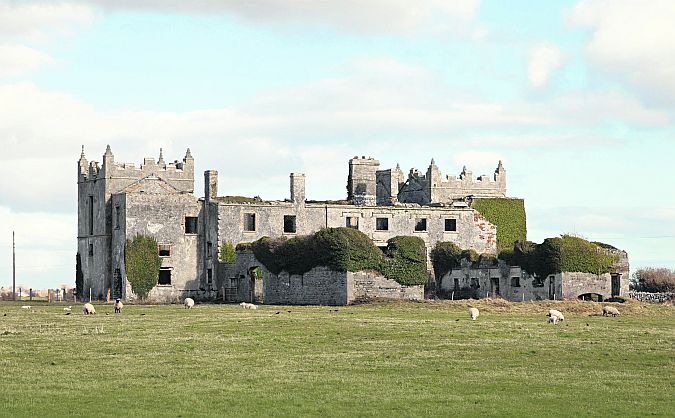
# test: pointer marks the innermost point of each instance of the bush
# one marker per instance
(447, 256)
(142, 263)
(654, 280)
(227, 254)
(343, 249)
(566, 253)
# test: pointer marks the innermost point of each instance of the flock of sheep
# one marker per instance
(554, 315)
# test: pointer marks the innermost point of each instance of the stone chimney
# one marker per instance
(210, 184)
(298, 188)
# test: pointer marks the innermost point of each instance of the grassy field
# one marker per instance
(384, 359)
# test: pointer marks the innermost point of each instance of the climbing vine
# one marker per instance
(142, 263)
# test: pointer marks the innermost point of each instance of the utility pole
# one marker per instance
(13, 268)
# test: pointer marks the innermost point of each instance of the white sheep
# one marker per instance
(118, 305)
(88, 309)
(26, 307)
(188, 303)
(473, 313)
(610, 310)
(248, 305)
(68, 309)
(557, 314)
(553, 319)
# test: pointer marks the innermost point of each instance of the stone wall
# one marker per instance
(647, 297)
(319, 286)
(368, 285)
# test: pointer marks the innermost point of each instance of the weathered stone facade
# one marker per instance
(117, 201)
(497, 279)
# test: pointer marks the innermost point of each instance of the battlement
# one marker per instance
(433, 187)
(179, 174)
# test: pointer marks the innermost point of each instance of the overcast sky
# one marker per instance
(576, 97)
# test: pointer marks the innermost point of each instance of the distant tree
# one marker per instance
(79, 276)
(653, 279)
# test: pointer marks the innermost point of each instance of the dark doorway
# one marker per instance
(616, 284)
(551, 287)
(494, 282)
(117, 284)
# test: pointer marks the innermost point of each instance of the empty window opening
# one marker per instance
(289, 224)
(421, 225)
(190, 224)
(382, 224)
(456, 283)
(91, 249)
(91, 215)
(474, 283)
(209, 276)
(117, 217)
(209, 249)
(249, 222)
(450, 225)
(352, 222)
(594, 297)
(164, 276)
(164, 250)
(515, 281)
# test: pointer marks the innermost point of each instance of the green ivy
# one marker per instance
(447, 256)
(343, 249)
(508, 215)
(142, 263)
(227, 253)
(566, 253)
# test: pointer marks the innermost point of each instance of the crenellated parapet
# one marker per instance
(433, 187)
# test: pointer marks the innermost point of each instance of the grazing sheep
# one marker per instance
(473, 313)
(88, 309)
(610, 310)
(188, 303)
(553, 319)
(118, 305)
(248, 305)
(554, 313)
(26, 307)
(68, 309)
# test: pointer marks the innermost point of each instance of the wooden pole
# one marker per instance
(13, 268)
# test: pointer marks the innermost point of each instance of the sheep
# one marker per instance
(553, 319)
(188, 303)
(118, 305)
(610, 310)
(555, 313)
(88, 309)
(68, 309)
(248, 305)
(473, 313)
(26, 307)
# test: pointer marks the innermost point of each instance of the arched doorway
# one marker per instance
(255, 276)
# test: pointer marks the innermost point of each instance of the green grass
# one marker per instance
(385, 359)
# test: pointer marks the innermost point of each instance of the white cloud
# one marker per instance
(18, 59)
(633, 40)
(37, 20)
(372, 16)
(544, 59)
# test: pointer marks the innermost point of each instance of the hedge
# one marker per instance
(508, 215)
(343, 249)
(142, 263)
(447, 256)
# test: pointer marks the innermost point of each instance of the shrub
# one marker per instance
(566, 253)
(227, 253)
(142, 263)
(343, 249)
(508, 215)
(652, 279)
(446, 256)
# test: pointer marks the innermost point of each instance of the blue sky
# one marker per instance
(576, 97)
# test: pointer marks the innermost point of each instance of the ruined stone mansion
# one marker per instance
(117, 201)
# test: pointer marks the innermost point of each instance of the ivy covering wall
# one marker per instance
(142, 263)
(508, 215)
(344, 249)
(566, 253)
(227, 254)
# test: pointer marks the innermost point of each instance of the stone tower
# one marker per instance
(362, 181)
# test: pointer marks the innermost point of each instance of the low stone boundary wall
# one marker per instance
(652, 297)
